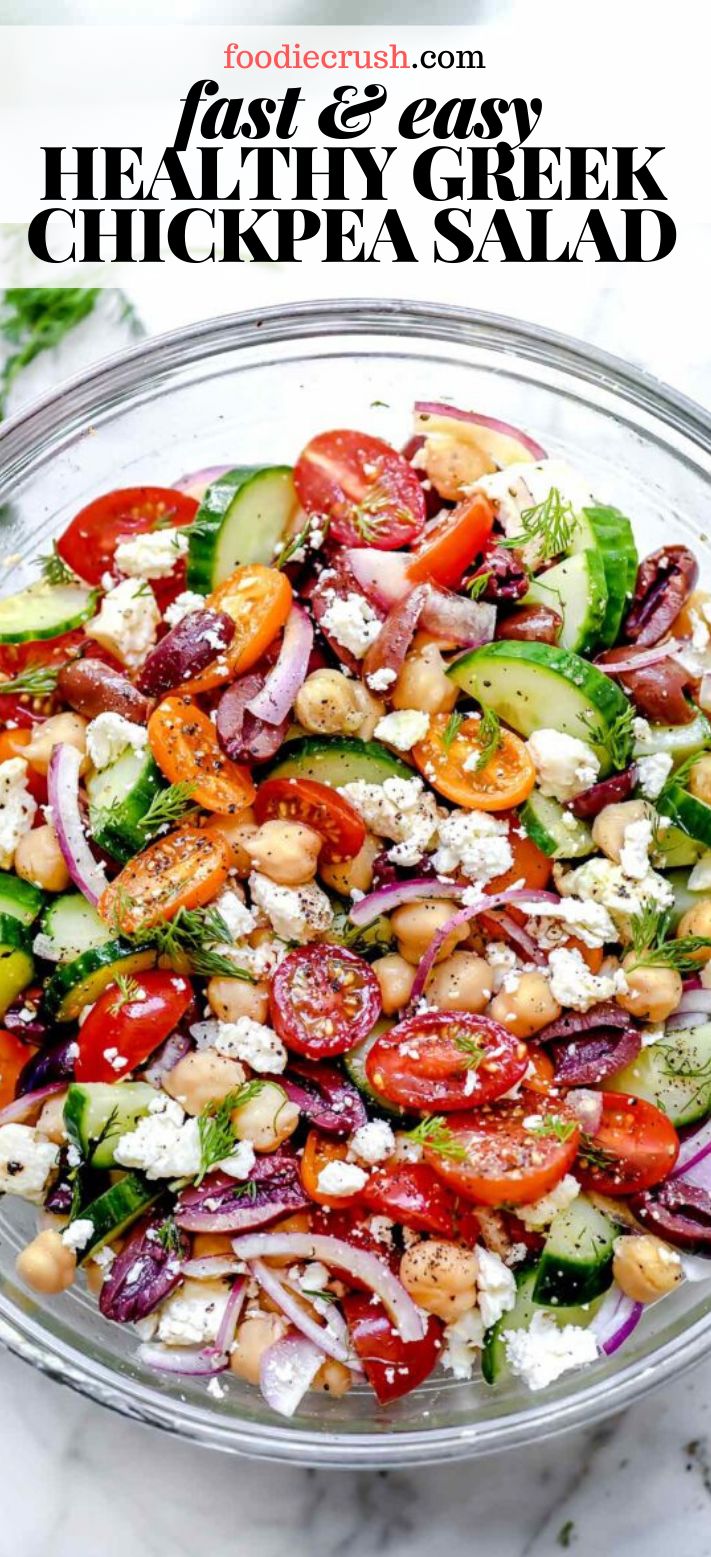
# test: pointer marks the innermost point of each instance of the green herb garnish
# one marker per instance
(128, 989)
(168, 806)
(188, 941)
(489, 734)
(434, 1133)
(292, 546)
(553, 1127)
(653, 949)
(477, 585)
(616, 739)
(472, 1051)
(215, 1129)
(551, 524)
(451, 729)
(169, 1237)
(54, 569)
(35, 681)
(35, 319)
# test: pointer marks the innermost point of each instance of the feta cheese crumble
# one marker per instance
(295, 913)
(246, 1040)
(18, 808)
(26, 1161)
(403, 728)
(191, 1316)
(540, 1354)
(186, 602)
(565, 766)
(126, 624)
(587, 920)
(636, 844)
(399, 809)
(351, 621)
(379, 680)
(474, 842)
(373, 1142)
(541, 1212)
(77, 1235)
(109, 735)
(700, 876)
(239, 919)
(153, 554)
(496, 1286)
(341, 1178)
(603, 882)
(463, 1341)
(573, 985)
(164, 1144)
(240, 1162)
(526, 484)
(653, 772)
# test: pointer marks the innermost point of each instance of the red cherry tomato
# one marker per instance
(393, 1367)
(316, 806)
(13, 1058)
(635, 1147)
(347, 1224)
(364, 487)
(323, 1000)
(89, 542)
(508, 1153)
(128, 1022)
(451, 542)
(445, 1060)
(411, 1193)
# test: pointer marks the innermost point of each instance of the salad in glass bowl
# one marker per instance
(355, 834)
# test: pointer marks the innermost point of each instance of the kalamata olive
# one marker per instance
(679, 1212)
(657, 691)
(55, 1063)
(91, 688)
(506, 577)
(530, 624)
(143, 1274)
(337, 581)
(241, 735)
(189, 646)
(607, 793)
(664, 581)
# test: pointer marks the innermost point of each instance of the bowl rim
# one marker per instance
(163, 353)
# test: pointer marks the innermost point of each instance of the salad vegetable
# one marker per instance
(355, 915)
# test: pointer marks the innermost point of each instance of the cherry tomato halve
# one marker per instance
(318, 1152)
(89, 542)
(13, 1058)
(259, 600)
(505, 779)
(316, 806)
(635, 1147)
(411, 1193)
(450, 545)
(508, 1153)
(183, 870)
(445, 1060)
(128, 1022)
(393, 1367)
(324, 999)
(184, 742)
(366, 489)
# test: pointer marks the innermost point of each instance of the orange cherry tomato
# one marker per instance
(318, 1152)
(13, 1059)
(12, 743)
(450, 544)
(510, 1152)
(530, 864)
(541, 1071)
(184, 743)
(506, 779)
(183, 870)
(259, 600)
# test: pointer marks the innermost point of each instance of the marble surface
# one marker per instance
(77, 1479)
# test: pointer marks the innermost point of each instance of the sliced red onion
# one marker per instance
(167, 1057)
(693, 1149)
(639, 659)
(587, 1107)
(287, 1371)
(63, 788)
(182, 1359)
(360, 1263)
(429, 408)
(276, 698)
(518, 938)
(286, 1300)
(382, 575)
(468, 623)
(211, 1267)
(228, 1323)
(514, 895)
(685, 1022)
(384, 899)
(694, 1000)
(615, 1320)
(24, 1108)
(196, 482)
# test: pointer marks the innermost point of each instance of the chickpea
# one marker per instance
(205, 1077)
(422, 683)
(608, 829)
(415, 924)
(396, 978)
(51, 1119)
(334, 1378)
(645, 1267)
(453, 464)
(39, 859)
(285, 851)
(255, 1334)
(463, 982)
(327, 704)
(60, 730)
(652, 993)
(46, 1265)
(697, 921)
(230, 999)
(441, 1277)
(356, 873)
(267, 1120)
(236, 830)
(700, 779)
(524, 1010)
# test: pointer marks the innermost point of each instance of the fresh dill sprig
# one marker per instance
(653, 948)
(293, 545)
(478, 584)
(215, 1129)
(434, 1133)
(319, 1294)
(679, 777)
(551, 523)
(489, 734)
(376, 508)
(54, 569)
(34, 681)
(128, 989)
(473, 1053)
(553, 1127)
(451, 729)
(188, 942)
(168, 806)
(649, 927)
(35, 319)
(169, 1237)
(615, 739)
(596, 1156)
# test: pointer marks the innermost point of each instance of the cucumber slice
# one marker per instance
(76, 984)
(556, 831)
(679, 740)
(674, 848)
(576, 588)
(45, 611)
(494, 1362)
(73, 926)
(674, 1074)
(116, 1209)
(17, 964)
(97, 1113)
(20, 899)
(242, 517)
(576, 1262)
(119, 796)
(533, 686)
(684, 899)
(691, 815)
(354, 1063)
(338, 760)
(610, 532)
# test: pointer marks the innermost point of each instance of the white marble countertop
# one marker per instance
(77, 1479)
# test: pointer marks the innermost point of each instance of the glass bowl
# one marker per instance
(254, 387)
